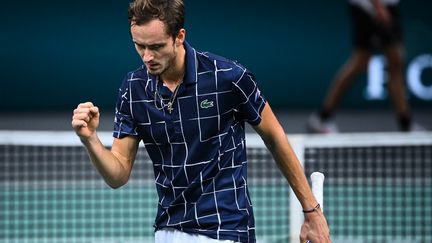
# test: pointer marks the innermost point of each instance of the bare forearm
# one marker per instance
(106, 162)
(114, 165)
(276, 141)
(292, 170)
(378, 5)
(315, 226)
(382, 13)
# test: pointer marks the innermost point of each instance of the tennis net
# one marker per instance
(378, 188)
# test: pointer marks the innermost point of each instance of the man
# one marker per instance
(189, 110)
(376, 27)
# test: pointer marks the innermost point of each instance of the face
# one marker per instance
(156, 48)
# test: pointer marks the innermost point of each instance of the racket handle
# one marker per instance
(317, 179)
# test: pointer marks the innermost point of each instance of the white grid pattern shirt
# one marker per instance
(198, 150)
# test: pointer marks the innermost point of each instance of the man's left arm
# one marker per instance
(315, 227)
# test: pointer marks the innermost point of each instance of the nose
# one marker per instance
(147, 55)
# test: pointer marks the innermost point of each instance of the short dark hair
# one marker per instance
(171, 12)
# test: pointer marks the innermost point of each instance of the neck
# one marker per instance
(175, 76)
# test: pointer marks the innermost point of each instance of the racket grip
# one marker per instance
(317, 179)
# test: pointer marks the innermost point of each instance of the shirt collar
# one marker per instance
(191, 65)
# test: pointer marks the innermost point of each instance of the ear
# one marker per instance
(181, 36)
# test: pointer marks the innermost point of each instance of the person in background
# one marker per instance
(376, 26)
(189, 108)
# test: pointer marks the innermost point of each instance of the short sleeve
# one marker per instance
(123, 122)
(249, 101)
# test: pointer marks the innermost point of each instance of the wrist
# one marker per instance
(312, 210)
(87, 140)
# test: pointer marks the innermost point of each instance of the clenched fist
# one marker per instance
(85, 120)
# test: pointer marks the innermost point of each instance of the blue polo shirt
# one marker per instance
(198, 150)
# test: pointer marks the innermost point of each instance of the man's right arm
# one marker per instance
(114, 165)
(382, 13)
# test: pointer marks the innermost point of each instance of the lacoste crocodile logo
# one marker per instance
(205, 104)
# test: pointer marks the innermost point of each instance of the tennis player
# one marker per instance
(189, 108)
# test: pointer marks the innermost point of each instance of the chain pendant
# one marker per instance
(170, 108)
(170, 104)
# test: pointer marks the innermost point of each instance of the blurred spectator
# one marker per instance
(375, 27)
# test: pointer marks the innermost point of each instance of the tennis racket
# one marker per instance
(317, 179)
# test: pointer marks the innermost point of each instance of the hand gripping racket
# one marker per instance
(317, 179)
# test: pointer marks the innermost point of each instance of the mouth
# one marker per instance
(152, 65)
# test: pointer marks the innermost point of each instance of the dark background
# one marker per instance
(56, 54)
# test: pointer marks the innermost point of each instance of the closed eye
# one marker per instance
(156, 47)
(153, 47)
